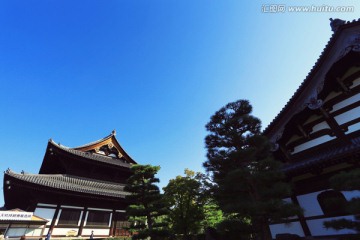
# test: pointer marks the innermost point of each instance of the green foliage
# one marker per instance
(249, 182)
(147, 203)
(235, 228)
(343, 224)
(347, 181)
(212, 215)
(186, 198)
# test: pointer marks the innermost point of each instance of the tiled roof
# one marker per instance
(113, 133)
(93, 156)
(310, 75)
(72, 183)
(324, 157)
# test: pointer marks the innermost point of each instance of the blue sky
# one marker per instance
(153, 70)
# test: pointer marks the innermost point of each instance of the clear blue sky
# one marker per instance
(153, 70)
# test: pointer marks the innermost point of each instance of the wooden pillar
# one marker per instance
(7, 229)
(302, 220)
(82, 222)
(113, 223)
(54, 218)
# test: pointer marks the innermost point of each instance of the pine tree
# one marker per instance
(347, 181)
(147, 203)
(249, 182)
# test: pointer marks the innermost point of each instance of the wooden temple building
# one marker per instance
(317, 135)
(78, 190)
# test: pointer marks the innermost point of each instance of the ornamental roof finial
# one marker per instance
(336, 23)
(113, 132)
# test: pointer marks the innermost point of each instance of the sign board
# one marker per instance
(15, 215)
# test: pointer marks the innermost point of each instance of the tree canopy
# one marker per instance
(186, 202)
(147, 203)
(249, 182)
(346, 181)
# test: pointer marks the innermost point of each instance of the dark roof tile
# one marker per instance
(72, 183)
(308, 78)
(92, 156)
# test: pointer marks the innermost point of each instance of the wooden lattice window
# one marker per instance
(69, 217)
(98, 218)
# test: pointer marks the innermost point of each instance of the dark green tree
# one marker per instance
(186, 198)
(147, 206)
(347, 181)
(249, 184)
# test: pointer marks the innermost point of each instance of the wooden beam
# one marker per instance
(303, 132)
(285, 152)
(335, 127)
(301, 217)
(343, 86)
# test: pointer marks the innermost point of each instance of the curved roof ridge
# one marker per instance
(312, 71)
(80, 149)
(58, 144)
(113, 133)
(93, 156)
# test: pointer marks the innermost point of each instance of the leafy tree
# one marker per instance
(212, 214)
(187, 196)
(249, 182)
(347, 181)
(147, 203)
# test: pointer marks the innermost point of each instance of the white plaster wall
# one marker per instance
(317, 228)
(46, 230)
(310, 204)
(46, 205)
(312, 143)
(69, 206)
(81, 214)
(312, 118)
(97, 232)
(34, 231)
(353, 128)
(63, 231)
(58, 217)
(293, 138)
(346, 102)
(320, 126)
(100, 209)
(355, 83)
(350, 194)
(46, 213)
(110, 219)
(332, 95)
(348, 116)
(293, 228)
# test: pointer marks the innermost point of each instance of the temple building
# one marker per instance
(317, 135)
(77, 191)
